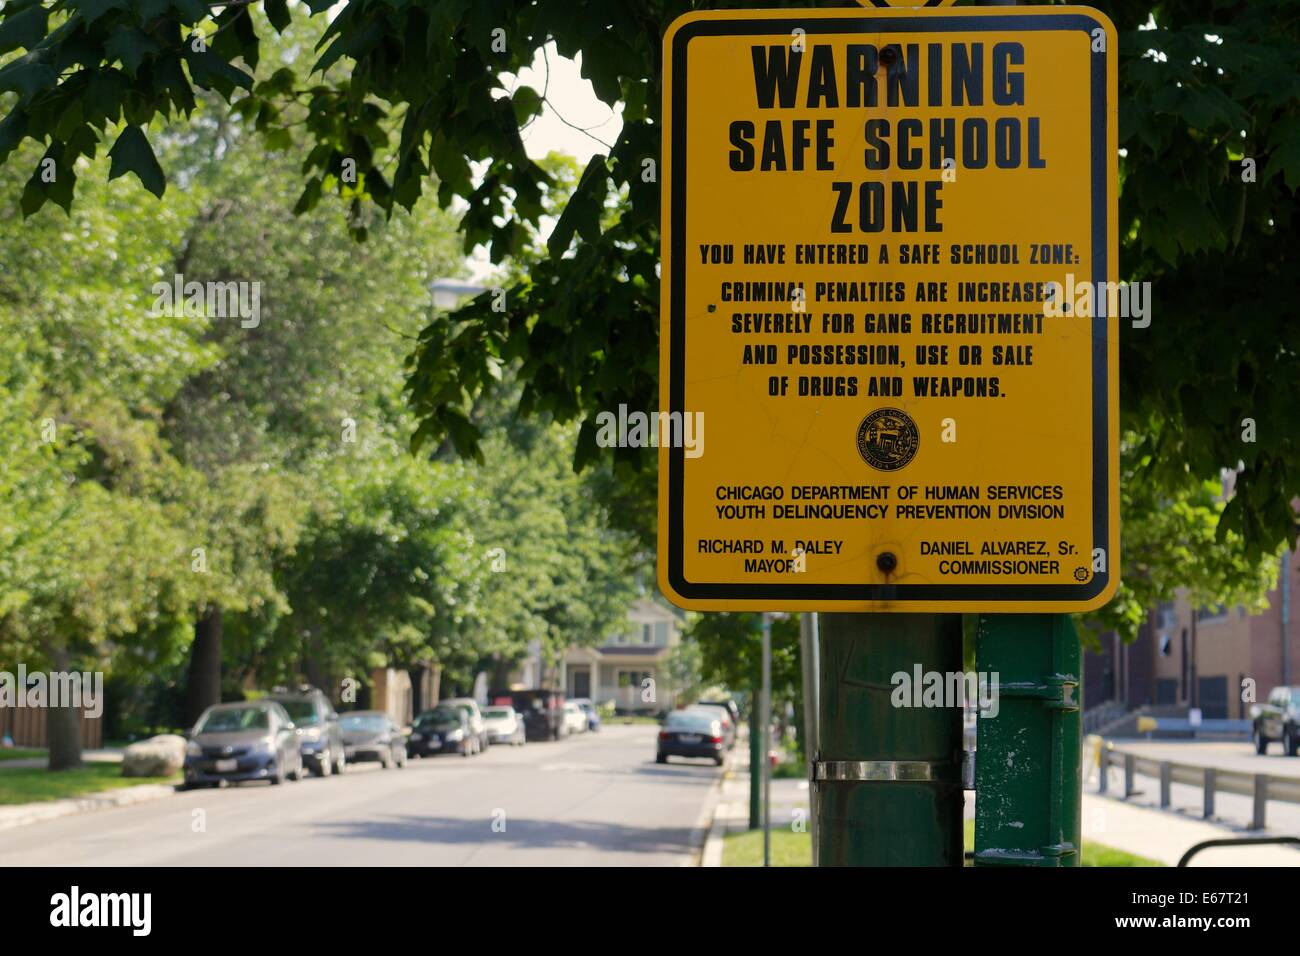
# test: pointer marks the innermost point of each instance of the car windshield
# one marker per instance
(301, 712)
(437, 716)
(496, 713)
(242, 718)
(371, 722)
(692, 723)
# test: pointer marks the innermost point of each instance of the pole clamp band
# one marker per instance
(897, 771)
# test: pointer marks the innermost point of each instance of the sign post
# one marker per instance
(888, 290)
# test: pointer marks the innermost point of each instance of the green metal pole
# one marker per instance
(755, 766)
(888, 788)
(1028, 766)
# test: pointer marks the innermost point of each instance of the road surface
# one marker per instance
(593, 800)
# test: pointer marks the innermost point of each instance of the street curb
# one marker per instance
(702, 836)
(24, 814)
(712, 855)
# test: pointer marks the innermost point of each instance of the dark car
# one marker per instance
(543, 712)
(691, 733)
(444, 730)
(231, 743)
(372, 735)
(317, 725)
(1278, 718)
(731, 726)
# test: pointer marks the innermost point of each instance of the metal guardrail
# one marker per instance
(1260, 787)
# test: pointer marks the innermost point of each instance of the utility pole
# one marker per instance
(887, 788)
(765, 725)
(808, 653)
(755, 770)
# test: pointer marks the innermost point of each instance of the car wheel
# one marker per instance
(1288, 743)
(1261, 742)
(660, 758)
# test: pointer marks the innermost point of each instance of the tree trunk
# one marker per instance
(62, 724)
(203, 688)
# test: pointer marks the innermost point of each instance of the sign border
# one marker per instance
(1027, 598)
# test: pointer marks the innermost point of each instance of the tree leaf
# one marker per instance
(24, 29)
(133, 154)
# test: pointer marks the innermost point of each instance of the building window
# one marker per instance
(647, 634)
(1166, 645)
(1212, 615)
(661, 633)
(628, 679)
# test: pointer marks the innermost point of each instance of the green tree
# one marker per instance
(424, 100)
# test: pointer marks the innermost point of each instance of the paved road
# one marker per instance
(597, 799)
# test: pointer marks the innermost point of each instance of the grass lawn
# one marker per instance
(795, 849)
(19, 753)
(746, 848)
(21, 785)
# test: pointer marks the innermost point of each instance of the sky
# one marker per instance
(570, 102)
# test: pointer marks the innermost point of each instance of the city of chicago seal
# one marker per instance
(887, 439)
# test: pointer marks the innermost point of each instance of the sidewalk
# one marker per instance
(789, 805)
(109, 755)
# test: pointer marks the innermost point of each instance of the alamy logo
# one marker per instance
(1085, 300)
(72, 909)
(83, 690)
(213, 300)
(922, 688)
(683, 430)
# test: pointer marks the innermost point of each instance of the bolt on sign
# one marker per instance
(889, 264)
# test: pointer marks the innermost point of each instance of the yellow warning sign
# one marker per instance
(889, 356)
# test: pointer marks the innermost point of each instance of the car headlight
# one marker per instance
(192, 749)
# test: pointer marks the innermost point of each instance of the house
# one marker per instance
(630, 667)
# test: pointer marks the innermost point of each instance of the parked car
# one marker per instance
(372, 735)
(731, 718)
(243, 741)
(317, 726)
(470, 706)
(691, 733)
(444, 730)
(504, 725)
(588, 708)
(575, 718)
(543, 711)
(1278, 718)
